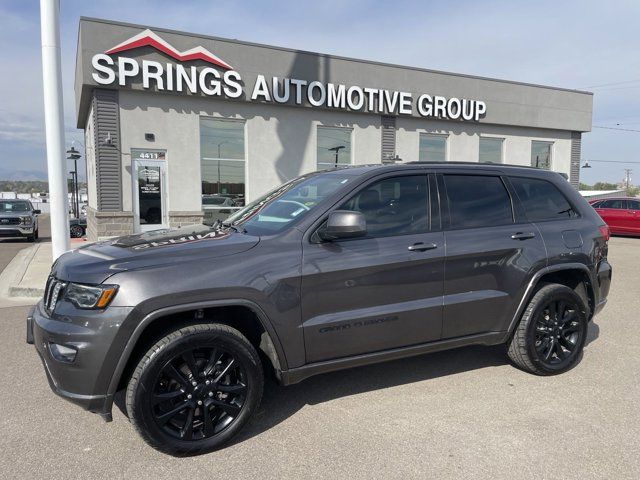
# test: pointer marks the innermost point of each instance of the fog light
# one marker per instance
(62, 353)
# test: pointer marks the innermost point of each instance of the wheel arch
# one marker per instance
(254, 324)
(576, 276)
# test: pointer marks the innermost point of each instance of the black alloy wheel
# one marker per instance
(195, 389)
(552, 331)
(76, 231)
(557, 333)
(199, 393)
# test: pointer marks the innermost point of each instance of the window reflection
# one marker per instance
(433, 148)
(222, 167)
(334, 147)
(490, 150)
(541, 154)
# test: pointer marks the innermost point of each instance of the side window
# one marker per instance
(597, 204)
(615, 204)
(477, 201)
(393, 206)
(542, 200)
(633, 204)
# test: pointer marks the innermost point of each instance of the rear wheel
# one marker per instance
(552, 331)
(195, 389)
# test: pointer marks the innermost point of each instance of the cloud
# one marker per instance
(569, 44)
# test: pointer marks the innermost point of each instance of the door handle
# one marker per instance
(522, 235)
(421, 247)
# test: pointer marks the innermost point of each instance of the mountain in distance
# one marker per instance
(25, 175)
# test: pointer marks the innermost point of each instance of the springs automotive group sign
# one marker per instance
(220, 79)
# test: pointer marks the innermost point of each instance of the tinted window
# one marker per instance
(633, 204)
(596, 204)
(477, 201)
(541, 199)
(393, 206)
(615, 204)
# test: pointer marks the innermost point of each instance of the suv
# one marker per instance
(18, 218)
(332, 270)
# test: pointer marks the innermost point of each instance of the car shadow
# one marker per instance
(279, 403)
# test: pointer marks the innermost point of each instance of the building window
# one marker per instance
(541, 154)
(334, 147)
(490, 150)
(433, 148)
(222, 167)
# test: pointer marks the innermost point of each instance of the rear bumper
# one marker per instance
(84, 380)
(603, 277)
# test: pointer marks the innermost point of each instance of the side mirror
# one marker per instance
(37, 211)
(343, 224)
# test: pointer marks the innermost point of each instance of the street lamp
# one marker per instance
(586, 164)
(337, 150)
(74, 155)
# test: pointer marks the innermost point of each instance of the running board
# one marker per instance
(296, 375)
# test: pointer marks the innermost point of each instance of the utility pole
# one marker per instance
(54, 125)
(627, 177)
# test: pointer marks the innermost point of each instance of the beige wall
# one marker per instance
(280, 141)
(463, 141)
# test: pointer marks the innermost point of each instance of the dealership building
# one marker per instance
(181, 128)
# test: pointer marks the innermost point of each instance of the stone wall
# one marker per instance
(181, 219)
(101, 225)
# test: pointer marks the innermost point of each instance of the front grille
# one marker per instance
(9, 221)
(52, 293)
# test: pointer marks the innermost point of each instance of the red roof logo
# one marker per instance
(150, 39)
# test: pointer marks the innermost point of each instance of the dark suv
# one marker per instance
(331, 270)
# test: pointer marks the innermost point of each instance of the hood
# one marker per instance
(95, 263)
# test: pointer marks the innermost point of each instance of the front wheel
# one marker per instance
(552, 331)
(195, 389)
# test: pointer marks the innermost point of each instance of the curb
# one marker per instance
(15, 270)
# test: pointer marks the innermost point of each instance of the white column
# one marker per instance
(54, 125)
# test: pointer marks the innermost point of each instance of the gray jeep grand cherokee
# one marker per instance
(331, 270)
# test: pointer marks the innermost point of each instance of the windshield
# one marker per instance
(290, 202)
(13, 206)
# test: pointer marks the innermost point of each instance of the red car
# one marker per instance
(621, 214)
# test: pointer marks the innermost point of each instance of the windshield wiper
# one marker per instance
(231, 226)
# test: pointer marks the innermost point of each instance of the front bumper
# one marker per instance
(85, 380)
(16, 230)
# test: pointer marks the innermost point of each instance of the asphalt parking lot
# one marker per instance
(9, 247)
(459, 414)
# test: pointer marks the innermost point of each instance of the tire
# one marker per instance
(76, 231)
(36, 234)
(550, 336)
(31, 238)
(166, 371)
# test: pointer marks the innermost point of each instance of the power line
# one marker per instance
(614, 83)
(617, 128)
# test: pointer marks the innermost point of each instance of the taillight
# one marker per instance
(604, 231)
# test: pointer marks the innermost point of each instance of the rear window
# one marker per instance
(477, 201)
(542, 200)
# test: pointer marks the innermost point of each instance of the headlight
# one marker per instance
(86, 296)
(25, 220)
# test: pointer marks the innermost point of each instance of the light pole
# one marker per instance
(221, 143)
(54, 125)
(75, 155)
(337, 151)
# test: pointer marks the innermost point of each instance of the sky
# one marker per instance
(590, 45)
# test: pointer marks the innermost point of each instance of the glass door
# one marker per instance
(149, 190)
